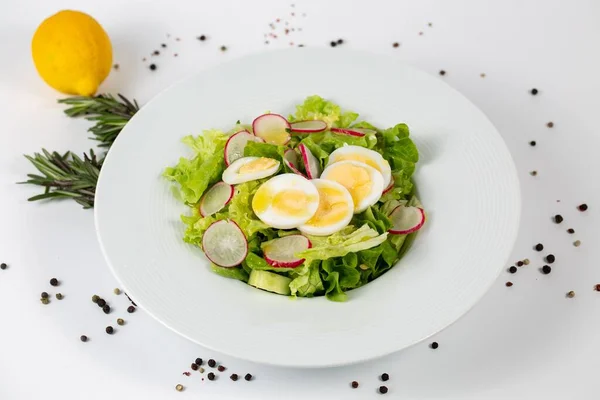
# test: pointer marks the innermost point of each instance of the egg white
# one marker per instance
(232, 175)
(312, 226)
(345, 153)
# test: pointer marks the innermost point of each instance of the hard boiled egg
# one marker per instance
(335, 209)
(366, 156)
(364, 183)
(249, 169)
(286, 201)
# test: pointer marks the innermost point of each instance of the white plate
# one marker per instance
(466, 178)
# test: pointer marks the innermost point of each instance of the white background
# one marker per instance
(524, 342)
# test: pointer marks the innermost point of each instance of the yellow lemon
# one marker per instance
(72, 52)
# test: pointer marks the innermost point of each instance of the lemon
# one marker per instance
(72, 52)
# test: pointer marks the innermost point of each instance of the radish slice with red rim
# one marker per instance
(311, 164)
(234, 148)
(280, 252)
(311, 126)
(215, 198)
(406, 220)
(225, 244)
(272, 128)
(359, 132)
(290, 158)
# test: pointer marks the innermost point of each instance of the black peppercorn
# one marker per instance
(3, 266)
(163, 45)
(223, 48)
(396, 44)
(45, 295)
(106, 309)
(234, 377)
(434, 345)
(532, 143)
(101, 302)
(550, 124)
(442, 72)
(54, 282)
(333, 44)
(558, 218)
(597, 287)
(512, 269)
(194, 366)
(109, 330)
(212, 363)
(582, 207)
(202, 37)
(211, 376)
(83, 338)
(519, 263)
(539, 247)
(571, 294)
(571, 230)
(385, 377)
(508, 284)
(340, 41)
(534, 91)
(221, 368)
(546, 269)
(383, 389)
(248, 377)
(152, 67)
(198, 361)
(354, 384)
(130, 309)
(550, 258)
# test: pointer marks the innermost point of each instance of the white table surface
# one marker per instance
(523, 342)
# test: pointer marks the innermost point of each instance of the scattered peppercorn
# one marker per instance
(199, 361)
(234, 377)
(3, 266)
(532, 143)
(109, 330)
(597, 287)
(130, 309)
(558, 218)
(248, 377)
(212, 363)
(155, 52)
(383, 389)
(482, 75)
(577, 243)
(550, 124)
(526, 261)
(539, 247)
(333, 44)
(519, 263)
(385, 377)
(106, 309)
(202, 37)
(59, 296)
(163, 45)
(194, 366)
(571, 294)
(546, 269)
(442, 72)
(533, 173)
(583, 207)
(221, 368)
(211, 376)
(83, 338)
(54, 282)
(45, 295)
(179, 387)
(95, 298)
(152, 67)
(434, 345)
(508, 284)
(571, 231)
(201, 370)
(101, 302)
(512, 269)
(117, 291)
(534, 91)
(223, 48)
(120, 321)
(45, 301)
(396, 44)
(186, 373)
(550, 258)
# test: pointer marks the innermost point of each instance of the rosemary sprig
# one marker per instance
(68, 175)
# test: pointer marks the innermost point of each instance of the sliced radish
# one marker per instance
(311, 126)
(234, 148)
(280, 252)
(290, 158)
(360, 132)
(215, 198)
(225, 244)
(311, 164)
(272, 128)
(389, 187)
(406, 220)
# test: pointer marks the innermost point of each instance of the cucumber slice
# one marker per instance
(270, 282)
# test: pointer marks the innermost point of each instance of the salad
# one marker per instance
(315, 204)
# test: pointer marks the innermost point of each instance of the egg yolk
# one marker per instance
(332, 207)
(260, 164)
(354, 178)
(292, 202)
(360, 158)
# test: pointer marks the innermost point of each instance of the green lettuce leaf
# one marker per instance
(399, 150)
(195, 175)
(306, 280)
(255, 149)
(316, 107)
(232, 273)
(374, 218)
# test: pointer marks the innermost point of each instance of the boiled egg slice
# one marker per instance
(335, 209)
(366, 156)
(249, 169)
(286, 201)
(364, 183)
